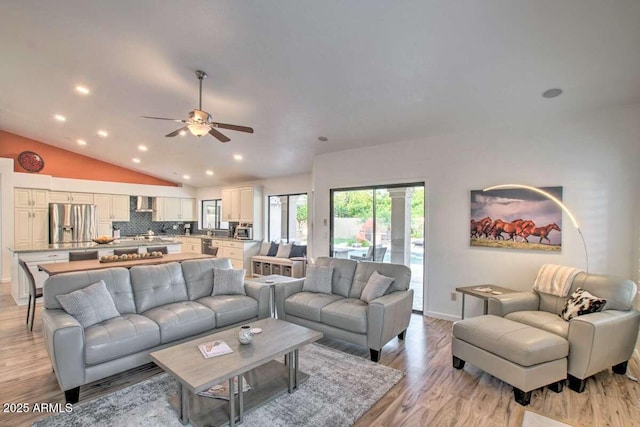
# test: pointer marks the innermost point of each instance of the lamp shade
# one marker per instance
(198, 129)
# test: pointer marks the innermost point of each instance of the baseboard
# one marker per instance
(442, 316)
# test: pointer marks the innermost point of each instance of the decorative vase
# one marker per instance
(245, 336)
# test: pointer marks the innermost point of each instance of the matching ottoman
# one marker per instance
(523, 356)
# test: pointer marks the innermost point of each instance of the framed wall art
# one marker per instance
(516, 219)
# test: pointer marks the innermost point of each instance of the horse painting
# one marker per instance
(508, 218)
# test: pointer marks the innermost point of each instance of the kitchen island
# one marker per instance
(59, 253)
(94, 264)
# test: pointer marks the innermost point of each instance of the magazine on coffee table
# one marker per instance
(221, 391)
(214, 348)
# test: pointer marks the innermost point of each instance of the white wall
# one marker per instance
(593, 156)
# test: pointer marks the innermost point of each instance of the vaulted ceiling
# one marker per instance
(356, 72)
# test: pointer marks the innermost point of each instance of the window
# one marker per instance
(288, 218)
(383, 223)
(212, 215)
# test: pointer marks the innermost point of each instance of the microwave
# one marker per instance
(244, 233)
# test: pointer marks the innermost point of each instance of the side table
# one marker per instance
(483, 292)
(272, 280)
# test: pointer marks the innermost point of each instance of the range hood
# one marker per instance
(143, 204)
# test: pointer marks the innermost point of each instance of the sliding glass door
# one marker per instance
(383, 224)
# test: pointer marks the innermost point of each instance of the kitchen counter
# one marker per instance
(204, 236)
(121, 243)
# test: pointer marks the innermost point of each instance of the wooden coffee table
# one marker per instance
(267, 377)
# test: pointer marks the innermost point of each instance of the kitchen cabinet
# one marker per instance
(191, 244)
(20, 288)
(231, 204)
(174, 209)
(243, 205)
(64, 197)
(237, 251)
(109, 208)
(31, 218)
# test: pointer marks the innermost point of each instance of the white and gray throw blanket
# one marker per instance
(555, 279)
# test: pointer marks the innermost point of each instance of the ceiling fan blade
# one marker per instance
(164, 118)
(218, 135)
(176, 132)
(233, 127)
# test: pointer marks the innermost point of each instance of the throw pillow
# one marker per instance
(298, 251)
(581, 302)
(273, 250)
(284, 249)
(264, 248)
(318, 279)
(90, 305)
(376, 286)
(227, 281)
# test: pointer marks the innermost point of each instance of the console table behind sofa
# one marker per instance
(266, 265)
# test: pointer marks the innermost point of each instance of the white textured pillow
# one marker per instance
(90, 305)
(264, 248)
(227, 281)
(318, 279)
(376, 286)
(284, 249)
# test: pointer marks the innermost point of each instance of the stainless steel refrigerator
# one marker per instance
(72, 223)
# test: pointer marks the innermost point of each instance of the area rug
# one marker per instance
(340, 388)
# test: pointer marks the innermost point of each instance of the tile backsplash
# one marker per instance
(141, 223)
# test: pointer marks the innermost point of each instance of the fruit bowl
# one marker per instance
(102, 240)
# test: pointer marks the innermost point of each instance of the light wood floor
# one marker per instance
(431, 394)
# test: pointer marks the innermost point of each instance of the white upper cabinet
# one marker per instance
(174, 209)
(64, 197)
(31, 218)
(243, 204)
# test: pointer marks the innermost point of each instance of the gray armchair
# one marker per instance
(598, 340)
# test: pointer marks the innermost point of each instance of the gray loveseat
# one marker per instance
(159, 306)
(342, 314)
(598, 340)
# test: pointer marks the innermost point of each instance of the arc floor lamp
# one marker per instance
(553, 199)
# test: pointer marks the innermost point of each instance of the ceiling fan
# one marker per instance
(199, 122)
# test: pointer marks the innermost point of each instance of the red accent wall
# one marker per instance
(66, 164)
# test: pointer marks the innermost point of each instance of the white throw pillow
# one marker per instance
(318, 279)
(90, 305)
(227, 281)
(376, 286)
(264, 248)
(284, 249)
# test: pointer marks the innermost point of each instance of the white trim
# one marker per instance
(442, 316)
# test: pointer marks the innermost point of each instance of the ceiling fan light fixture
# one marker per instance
(198, 129)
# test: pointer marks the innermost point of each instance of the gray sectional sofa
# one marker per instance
(159, 306)
(342, 314)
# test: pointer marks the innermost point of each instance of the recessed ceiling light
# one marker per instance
(552, 93)
(183, 132)
(81, 142)
(142, 147)
(238, 157)
(83, 90)
(103, 133)
(209, 172)
(323, 138)
(136, 160)
(60, 118)
(186, 176)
